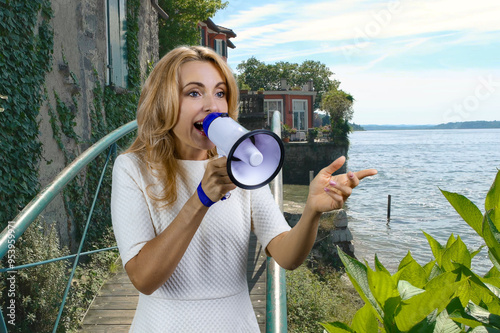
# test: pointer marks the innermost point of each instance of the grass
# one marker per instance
(320, 295)
(296, 193)
(317, 292)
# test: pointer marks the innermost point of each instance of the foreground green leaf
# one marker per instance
(466, 209)
(491, 236)
(365, 320)
(357, 273)
(414, 310)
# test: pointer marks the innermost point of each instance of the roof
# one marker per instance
(217, 28)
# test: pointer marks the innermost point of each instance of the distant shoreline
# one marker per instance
(453, 125)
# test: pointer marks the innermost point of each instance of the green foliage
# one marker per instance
(339, 104)
(256, 74)
(444, 295)
(184, 15)
(313, 297)
(312, 134)
(87, 281)
(26, 42)
(39, 289)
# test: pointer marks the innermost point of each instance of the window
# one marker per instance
(117, 43)
(299, 114)
(271, 105)
(220, 47)
(203, 40)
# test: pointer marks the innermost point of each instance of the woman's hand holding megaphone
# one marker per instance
(327, 192)
(216, 182)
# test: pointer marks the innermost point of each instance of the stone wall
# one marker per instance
(80, 48)
(302, 157)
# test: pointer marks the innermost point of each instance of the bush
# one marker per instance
(444, 295)
(312, 298)
(39, 290)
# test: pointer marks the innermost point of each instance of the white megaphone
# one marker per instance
(253, 158)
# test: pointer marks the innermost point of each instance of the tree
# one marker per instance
(184, 15)
(339, 104)
(256, 74)
(320, 75)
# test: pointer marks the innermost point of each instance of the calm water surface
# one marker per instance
(412, 166)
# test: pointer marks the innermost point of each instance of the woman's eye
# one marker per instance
(194, 94)
(221, 94)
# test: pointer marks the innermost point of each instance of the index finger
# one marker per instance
(365, 173)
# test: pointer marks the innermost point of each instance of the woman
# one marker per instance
(185, 254)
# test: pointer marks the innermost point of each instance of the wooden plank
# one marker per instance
(109, 317)
(105, 328)
(256, 275)
(113, 309)
(115, 302)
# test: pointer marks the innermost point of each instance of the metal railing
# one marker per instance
(23, 220)
(276, 320)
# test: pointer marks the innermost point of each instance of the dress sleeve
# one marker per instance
(268, 221)
(130, 213)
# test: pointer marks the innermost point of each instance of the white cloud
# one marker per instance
(360, 21)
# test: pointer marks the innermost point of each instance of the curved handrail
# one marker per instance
(24, 219)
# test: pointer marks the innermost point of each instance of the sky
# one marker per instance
(404, 61)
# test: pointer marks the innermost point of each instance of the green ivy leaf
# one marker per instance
(466, 209)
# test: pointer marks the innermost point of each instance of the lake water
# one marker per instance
(412, 165)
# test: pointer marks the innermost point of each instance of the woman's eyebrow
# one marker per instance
(199, 84)
(194, 83)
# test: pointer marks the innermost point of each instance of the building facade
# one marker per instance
(216, 37)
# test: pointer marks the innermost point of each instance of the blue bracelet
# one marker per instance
(203, 197)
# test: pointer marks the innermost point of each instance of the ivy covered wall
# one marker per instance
(54, 71)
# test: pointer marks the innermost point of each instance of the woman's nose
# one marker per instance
(210, 104)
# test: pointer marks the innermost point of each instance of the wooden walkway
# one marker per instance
(113, 309)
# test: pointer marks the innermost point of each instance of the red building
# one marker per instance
(216, 37)
(296, 107)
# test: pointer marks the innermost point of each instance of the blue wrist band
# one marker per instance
(203, 197)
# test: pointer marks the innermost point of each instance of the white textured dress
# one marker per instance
(208, 291)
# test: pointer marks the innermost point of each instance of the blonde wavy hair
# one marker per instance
(158, 112)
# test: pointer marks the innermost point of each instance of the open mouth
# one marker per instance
(199, 126)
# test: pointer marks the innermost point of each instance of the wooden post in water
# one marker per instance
(388, 208)
(311, 176)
